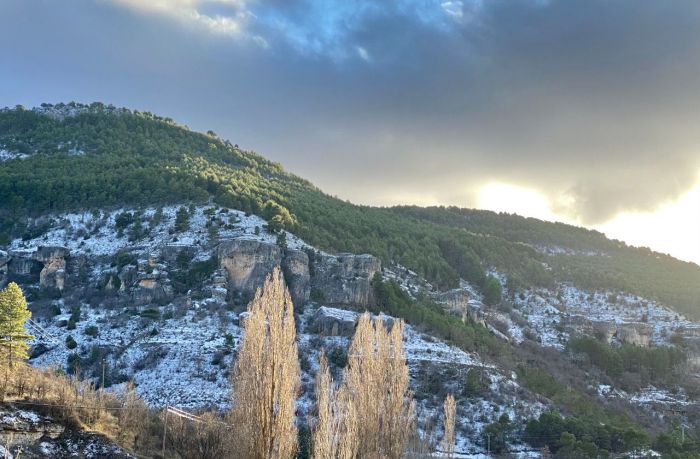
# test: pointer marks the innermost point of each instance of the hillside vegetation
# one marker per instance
(73, 156)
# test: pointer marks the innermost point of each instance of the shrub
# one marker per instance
(150, 313)
(123, 220)
(317, 295)
(338, 356)
(70, 342)
(73, 363)
(123, 258)
(496, 434)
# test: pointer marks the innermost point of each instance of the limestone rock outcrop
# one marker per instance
(341, 280)
(53, 274)
(345, 279)
(48, 262)
(637, 334)
(459, 303)
(247, 262)
(334, 322)
(150, 288)
(21, 263)
(295, 267)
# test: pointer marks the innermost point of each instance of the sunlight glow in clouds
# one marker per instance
(673, 228)
(503, 197)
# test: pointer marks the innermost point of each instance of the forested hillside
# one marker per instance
(73, 156)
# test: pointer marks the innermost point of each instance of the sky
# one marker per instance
(586, 112)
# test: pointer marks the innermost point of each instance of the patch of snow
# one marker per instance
(6, 155)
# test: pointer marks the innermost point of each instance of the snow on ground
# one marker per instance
(474, 413)
(407, 279)
(95, 234)
(648, 397)
(184, 358)
(547, 310)
(559, 250)
(170, 361)
(6, 155)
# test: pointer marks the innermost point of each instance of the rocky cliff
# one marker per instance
(339, 280)
(46, 265)
(344, 279)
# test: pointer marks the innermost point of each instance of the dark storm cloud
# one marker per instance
(596, 104)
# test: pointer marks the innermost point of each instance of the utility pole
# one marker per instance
(103, 373)
(488, 444)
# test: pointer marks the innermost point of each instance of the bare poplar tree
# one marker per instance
(376, 384)
(448, 439)
(266, 377)
(335, 432)
(324, 432)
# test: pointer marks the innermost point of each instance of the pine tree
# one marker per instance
(182, 220)
(13, 315)
(266, 377)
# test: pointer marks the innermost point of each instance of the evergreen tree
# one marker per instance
(182, 220)
(492, 291)
(13, 315)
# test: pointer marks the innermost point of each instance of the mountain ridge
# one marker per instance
(137, 158)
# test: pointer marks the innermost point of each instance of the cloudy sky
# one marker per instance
(580, 111)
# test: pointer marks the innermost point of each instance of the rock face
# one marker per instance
(48, 262)
(334, 322)
(170, 252)
(295, 267)
(458, 302)
(341, 280)
(4, 261)
(22, 264)
(150, 288)
(604, 331)
(638, 334)
(29, 435)
(53, 274)
(634, 333)
(345, 279)
(247, 262)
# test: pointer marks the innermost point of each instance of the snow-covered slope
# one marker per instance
(178, 347)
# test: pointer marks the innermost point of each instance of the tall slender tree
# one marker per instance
(335, 432)
(13, 315)
(266, 377)
(448, 439)
(376, 381)
(324, 443)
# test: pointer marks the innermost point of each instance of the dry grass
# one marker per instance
(123, 417)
